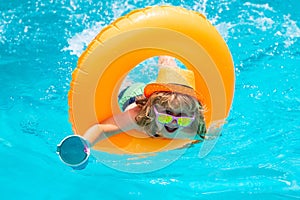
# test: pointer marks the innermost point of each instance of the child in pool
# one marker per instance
(168, 108)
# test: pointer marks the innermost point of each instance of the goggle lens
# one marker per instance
(184, 121)
(164, 119)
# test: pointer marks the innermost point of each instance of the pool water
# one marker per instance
(257, 156)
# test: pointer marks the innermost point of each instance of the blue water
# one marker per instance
(257, 156)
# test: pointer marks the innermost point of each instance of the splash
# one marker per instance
(224, 29)
(260, 6)
(291, 32)
(80, 41)
(256, 15)
(200, 6)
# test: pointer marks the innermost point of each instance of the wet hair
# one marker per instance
(146, 117)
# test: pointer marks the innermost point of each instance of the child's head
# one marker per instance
(166, 113)
(172, 105)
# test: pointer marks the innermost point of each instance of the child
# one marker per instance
(169, 107)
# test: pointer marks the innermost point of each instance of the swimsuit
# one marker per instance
(127, 96)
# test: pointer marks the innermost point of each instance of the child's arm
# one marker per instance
(119, 123)
(166, 61)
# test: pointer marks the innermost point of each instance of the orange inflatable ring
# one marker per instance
(139, 35)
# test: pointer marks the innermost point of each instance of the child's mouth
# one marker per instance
(171, 130)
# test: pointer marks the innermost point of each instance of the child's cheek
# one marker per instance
(159, 126)
(189, 130)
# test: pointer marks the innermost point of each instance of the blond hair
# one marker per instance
(146, 117)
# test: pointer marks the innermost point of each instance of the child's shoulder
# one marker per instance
(133, 110)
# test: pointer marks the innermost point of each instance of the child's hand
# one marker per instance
(166, 61)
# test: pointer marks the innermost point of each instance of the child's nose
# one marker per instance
(174, 121)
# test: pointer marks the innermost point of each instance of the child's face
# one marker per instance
(179, 123)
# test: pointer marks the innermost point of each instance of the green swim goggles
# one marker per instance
(164, 118)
